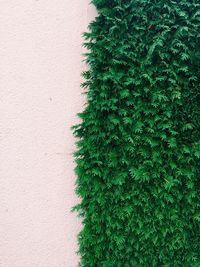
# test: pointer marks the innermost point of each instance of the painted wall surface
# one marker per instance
(40, 66)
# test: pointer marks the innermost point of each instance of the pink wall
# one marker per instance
(40, 65)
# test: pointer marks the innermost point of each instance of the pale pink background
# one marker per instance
(40, 66)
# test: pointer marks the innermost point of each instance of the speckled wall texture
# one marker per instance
(40, 66)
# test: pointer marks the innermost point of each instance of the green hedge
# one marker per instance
(138, 146)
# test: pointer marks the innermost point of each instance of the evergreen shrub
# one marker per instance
(138, 142)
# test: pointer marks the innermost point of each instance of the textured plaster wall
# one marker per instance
(40, 65)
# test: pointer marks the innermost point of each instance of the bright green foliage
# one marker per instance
(138, 148)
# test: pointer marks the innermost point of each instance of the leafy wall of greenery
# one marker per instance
(138, 147)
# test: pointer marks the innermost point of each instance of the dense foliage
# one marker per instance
(138, 147)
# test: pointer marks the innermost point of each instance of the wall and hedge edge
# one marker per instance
(138, 143)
